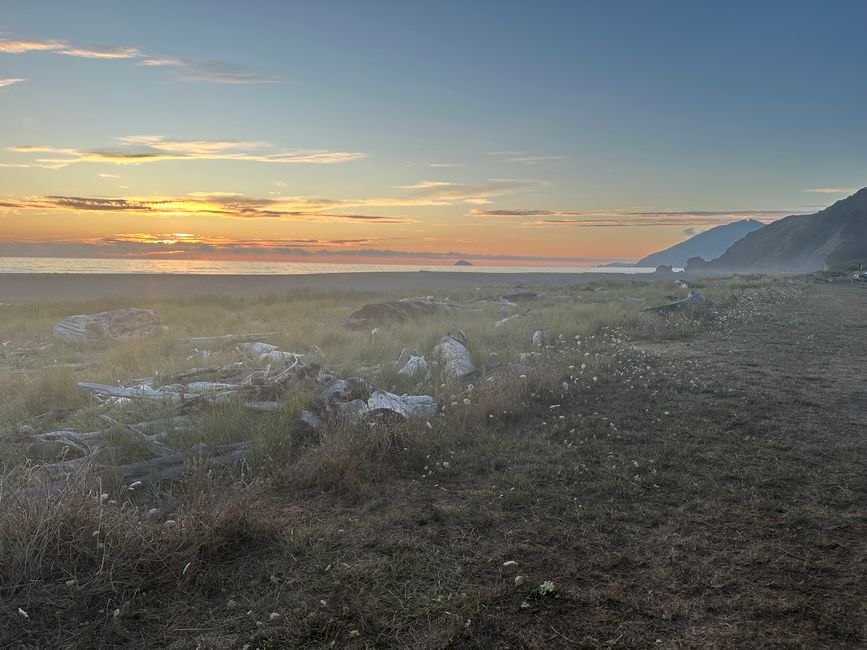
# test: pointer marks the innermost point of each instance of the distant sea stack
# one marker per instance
(834, 238)
(463, 263)
(707, 245)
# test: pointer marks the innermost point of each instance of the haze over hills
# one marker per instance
(708, 245)
(835, 237)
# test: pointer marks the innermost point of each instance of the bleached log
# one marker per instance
(129, 393)
(262, 405)
(225, 339)
(114, 325)
(692, 299)
(150, 442)
(175, 465)
(505, 320)
(210, 386)
(256, 348)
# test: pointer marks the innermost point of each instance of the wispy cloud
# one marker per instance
(831, 190)
(219, 205)
(532, 160)
(152, 148)
(614, 218)
(103, 52)
(191, 71)
(522, 157)
(426, 185)
(13, 46)
(211, 71)
(9, 82)
(480, 194)
(297, 208)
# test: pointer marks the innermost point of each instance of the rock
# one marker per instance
(340, 391)
(463, 263)
(412, 365)
(406, 406)
(352, 411)
(307, 424)
(396, 311)
(114, 325)
(541, 338)
(453, 356)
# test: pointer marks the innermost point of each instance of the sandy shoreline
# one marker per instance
(29, 287)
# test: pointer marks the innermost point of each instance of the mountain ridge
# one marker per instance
(707, 245)
(835, 237)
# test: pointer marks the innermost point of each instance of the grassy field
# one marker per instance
(691, 481)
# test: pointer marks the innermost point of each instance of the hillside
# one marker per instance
(707, 245)
(835, 237)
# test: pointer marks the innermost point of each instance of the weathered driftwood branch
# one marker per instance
(174, 465)
(130, 393)
(225, 339)
(114, 325)
(151, 442)
(262, 405)
(692, 299)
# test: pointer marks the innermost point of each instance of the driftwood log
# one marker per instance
(691, 300)
(225, 339)
(114, 325)
(129, 393)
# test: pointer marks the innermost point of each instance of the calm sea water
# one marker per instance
(200, 267)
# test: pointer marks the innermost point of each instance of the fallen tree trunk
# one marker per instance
(114, 325)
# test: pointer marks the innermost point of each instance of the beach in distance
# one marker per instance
(16, 287)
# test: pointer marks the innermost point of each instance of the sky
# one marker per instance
(404, 131)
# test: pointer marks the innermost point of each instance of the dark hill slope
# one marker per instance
(836, 237)
(708, 245)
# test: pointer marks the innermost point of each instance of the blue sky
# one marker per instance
(506, 129)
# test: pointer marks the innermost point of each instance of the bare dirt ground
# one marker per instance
(720, 505)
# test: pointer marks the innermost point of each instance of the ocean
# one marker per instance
(210, 267)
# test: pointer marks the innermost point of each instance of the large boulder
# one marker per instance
(380, 313)
(114, 325)
(340, 391)
(453, 357)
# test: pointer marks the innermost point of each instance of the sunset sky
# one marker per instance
(500, 132)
